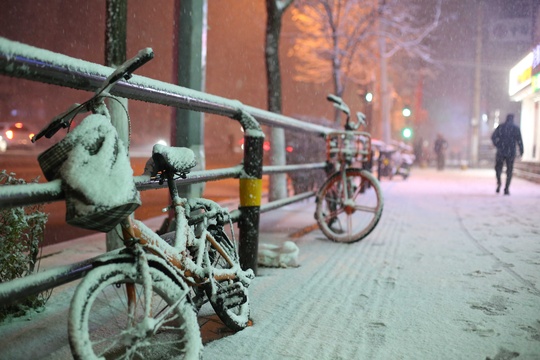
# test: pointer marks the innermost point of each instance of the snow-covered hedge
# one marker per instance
(21, 233)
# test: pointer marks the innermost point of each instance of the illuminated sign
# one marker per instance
(535, 83)
(536, 60)
(520, 75)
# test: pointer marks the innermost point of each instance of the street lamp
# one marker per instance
(367, 104)
(369, 97)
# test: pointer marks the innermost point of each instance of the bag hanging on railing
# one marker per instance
(96, 174)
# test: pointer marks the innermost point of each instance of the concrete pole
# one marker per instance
(385, 95)
(188, 126)
(475, 122)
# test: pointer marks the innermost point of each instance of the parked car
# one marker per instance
(3, 144)
(13, 135)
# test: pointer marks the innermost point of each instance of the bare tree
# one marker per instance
(275, 10)
(348, 40)
(332, 43)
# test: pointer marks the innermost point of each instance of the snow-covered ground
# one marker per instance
(451, 272)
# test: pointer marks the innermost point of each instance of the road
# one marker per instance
(25, 165)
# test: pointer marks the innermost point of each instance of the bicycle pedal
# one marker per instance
(231, 295)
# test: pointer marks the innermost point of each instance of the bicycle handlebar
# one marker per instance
(341, 105)
(124, 71)
(61, 121)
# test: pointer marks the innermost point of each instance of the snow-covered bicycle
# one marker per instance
(141, 301)
(350, 202)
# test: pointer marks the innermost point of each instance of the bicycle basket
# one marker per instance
(348, 146)
(97, 178)
(52, 159)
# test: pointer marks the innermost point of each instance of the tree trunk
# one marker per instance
(115, 55)
(278, 182)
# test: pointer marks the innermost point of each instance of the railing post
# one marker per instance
(250, 191)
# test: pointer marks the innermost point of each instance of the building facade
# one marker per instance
(524, 87)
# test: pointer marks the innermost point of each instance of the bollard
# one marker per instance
(250, 191)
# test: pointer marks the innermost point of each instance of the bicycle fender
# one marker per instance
(154, 261)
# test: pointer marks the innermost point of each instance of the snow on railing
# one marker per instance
(27, 62)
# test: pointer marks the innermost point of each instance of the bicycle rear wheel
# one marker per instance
(349, 209)
(104, 324)
(229, 298)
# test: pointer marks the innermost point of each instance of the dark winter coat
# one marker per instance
(505, 138)
(440, 145)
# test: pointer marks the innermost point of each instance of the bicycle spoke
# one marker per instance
(349, 207)
(349, 226)
(161, 320)
(165, 312)
(364, 208)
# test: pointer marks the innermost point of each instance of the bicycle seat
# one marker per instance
(175, 159)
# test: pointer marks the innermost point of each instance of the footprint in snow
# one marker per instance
(497, 305)
(533, 331)
(478, 329)
(504, 354)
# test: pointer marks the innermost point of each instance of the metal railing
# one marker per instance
(27, 62)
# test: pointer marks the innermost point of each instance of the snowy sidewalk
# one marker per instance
(451, 272)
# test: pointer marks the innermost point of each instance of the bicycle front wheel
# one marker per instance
(111, 316)
(349, 208)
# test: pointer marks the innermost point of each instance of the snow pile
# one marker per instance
(283, 255)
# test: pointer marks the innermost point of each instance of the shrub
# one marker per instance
(21, 234)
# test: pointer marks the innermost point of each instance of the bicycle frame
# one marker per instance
(194, 272)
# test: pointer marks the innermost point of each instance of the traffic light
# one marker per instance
(406, 111)
(406, 133)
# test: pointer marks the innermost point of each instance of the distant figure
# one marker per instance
(440, 149)
(505, 138)
(418, 151)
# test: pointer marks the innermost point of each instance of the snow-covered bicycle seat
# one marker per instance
(175, 159)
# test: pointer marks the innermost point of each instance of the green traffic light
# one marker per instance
(407, 133)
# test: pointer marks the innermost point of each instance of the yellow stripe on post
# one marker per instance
(250, 192)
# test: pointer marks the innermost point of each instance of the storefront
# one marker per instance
(524, 87)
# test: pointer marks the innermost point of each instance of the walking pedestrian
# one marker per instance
(505, 138)
(440, 149)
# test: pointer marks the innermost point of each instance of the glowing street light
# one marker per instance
(369, 97)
